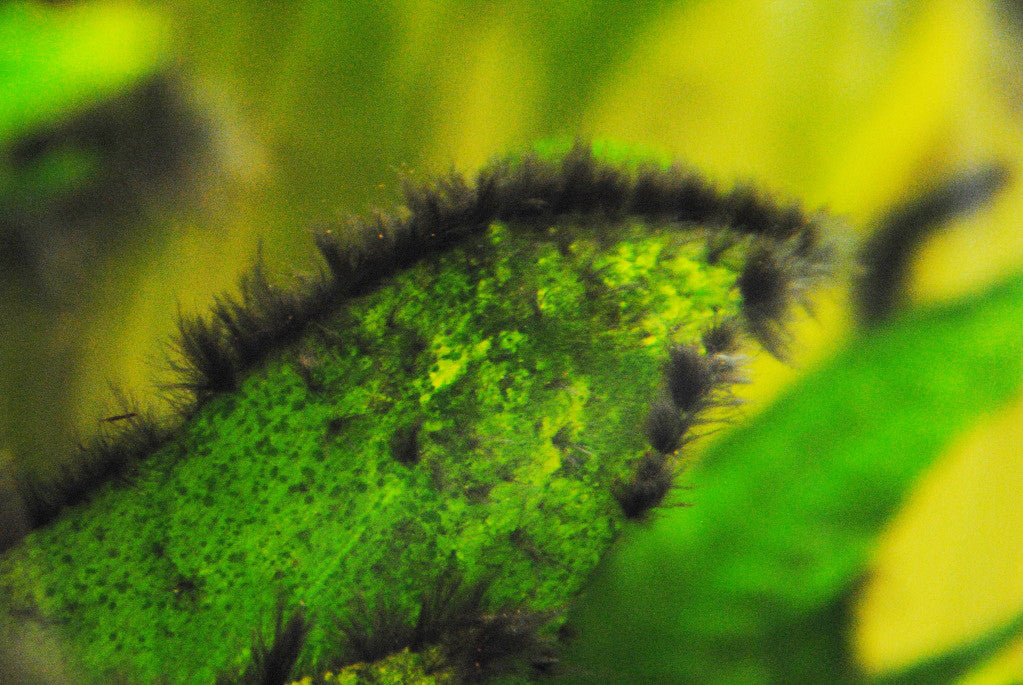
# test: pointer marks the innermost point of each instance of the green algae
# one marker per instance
(397, 669)
(528, 361)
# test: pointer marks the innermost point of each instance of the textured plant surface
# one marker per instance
(489, 412)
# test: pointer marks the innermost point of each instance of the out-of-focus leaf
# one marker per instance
(750, 583)
(953, 665)
(61, 170)
(54, 61)
(949, 566)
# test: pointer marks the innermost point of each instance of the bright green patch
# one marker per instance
(398, 669)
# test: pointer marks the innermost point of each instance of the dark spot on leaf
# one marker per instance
(405, 443)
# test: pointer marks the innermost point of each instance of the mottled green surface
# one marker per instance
(530, 362)
(397, 669)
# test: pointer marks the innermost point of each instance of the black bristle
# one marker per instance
(529, 192)
(335, 253)
(273, 665)
(651, 482)
(674, 194)
(612, 189)
(357, 261)
(408, 245)
(577, 182)
(811, 249)
(370, 259)
(722, 338)
(266, 316)
(248, 323)
(765, 286)
(279, 308)
(748, 210)
(487, 195)
(39, 508)
(461, 212)
(665, 427)
(652, 191)
(425, 214)
(278, 661)
(791, 221)
(477, 644)
(14, 513)
(448, 209)
(690, 378)
(696, 201)
(370, 634)
(125, 437)
(44, 496)
(449, 605)
(744, 211)
(207, 364)
(318, 298)
(718, 243)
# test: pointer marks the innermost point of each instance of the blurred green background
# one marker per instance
(146, 149)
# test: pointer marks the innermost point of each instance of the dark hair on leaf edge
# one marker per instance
(526, 191)
(207, 363)
(653, 478)
(695, 381)
(476, 643)
(766, 288)
(109, 454)
(665, 426)
(690, 378)
(273, 664)
(722, 338)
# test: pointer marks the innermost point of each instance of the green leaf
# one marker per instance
(289, 486)
(750, 582)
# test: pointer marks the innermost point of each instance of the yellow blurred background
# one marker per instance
(308, 111)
